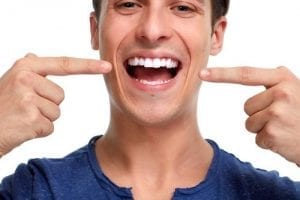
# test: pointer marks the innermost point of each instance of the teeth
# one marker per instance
(158, 82)
(156, 63)
(148, 63)
(153, 62)
(141, 62)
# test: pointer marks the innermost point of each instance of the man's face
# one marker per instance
(157, 48)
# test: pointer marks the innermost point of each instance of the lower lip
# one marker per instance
(152, 86)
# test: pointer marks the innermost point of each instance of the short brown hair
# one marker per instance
(219, 8)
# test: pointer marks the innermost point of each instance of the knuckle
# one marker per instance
(282, 93)
(264, 143)
(64, 64)
(274, 148)
(30, 55)
(49, 128)
(285, 73)
(22, 62)
(28, 99)
(33, 117)
(245, 74)
(275, 112)
(270, 132)
(283, 69)
(258, 141)
(46, 129)
(24, 78)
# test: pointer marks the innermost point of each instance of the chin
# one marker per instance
(154, 120)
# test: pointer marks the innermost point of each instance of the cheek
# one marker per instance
(196, 36)
(198, 44)
(112, 32)
(197, 41)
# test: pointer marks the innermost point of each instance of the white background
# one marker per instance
(260, 33)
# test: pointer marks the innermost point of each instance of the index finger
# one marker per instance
(246, 75)
(64, 65)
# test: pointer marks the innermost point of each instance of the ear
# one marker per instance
(218, 36)
(94, 31)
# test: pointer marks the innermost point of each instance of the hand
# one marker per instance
(274, 114)
(29, 102)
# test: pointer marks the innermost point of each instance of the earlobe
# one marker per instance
(218, 36)
(94, 31)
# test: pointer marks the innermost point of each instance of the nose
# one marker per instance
(154, 27)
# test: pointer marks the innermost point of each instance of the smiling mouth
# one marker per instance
(152, 71)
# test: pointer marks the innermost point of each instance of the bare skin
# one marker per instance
(270, 107)
(30, 102)
(155, 164)
(281, 86)
(274, 114)
(149, 146)
(143, 149)
(153, 143)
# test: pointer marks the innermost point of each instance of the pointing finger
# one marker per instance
(246, 75)
(63, 65)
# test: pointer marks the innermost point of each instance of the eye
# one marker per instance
(127, 7)
(184, 9)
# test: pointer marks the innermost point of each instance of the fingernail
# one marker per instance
(106, 66)
(204, 73)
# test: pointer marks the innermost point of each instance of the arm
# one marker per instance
(274, 114)
(29, 102)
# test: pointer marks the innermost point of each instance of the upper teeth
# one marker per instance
(153, 62)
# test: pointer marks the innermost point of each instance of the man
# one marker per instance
(153, 148)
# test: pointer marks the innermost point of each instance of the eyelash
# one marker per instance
(185, 10)
(182, 9)
(127, 5)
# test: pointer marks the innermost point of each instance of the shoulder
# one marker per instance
(50, 178)
(254, 183)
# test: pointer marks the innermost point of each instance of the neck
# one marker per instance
(161, 153)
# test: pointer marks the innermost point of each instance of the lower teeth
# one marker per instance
(158, 82)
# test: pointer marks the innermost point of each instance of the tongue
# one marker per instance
(151, 74)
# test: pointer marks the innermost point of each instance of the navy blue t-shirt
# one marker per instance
(78, 176)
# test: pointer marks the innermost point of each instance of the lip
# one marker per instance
(151, 54)
(149, 87)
